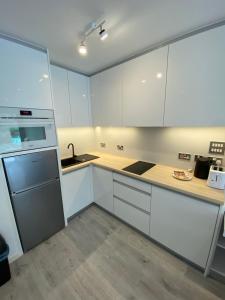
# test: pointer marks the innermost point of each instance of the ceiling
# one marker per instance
(133, 25)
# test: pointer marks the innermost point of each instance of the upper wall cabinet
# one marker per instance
(79, 99)
(24, 77)
(195, 85)
(61, 97)
(71, 98)
(144, 83)
(106, 96)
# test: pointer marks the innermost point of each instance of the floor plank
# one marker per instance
(99, 257)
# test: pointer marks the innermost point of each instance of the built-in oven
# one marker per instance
(26, 129)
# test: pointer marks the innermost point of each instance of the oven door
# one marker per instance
(24, 134)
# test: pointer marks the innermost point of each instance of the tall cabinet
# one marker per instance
(25, 80)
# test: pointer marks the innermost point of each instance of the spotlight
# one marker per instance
(103, 34)
(82, 49)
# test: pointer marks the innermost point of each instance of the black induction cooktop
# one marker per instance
(139, 167)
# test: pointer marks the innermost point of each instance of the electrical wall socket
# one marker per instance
(102, 145)
(119, 147)
(184, 156)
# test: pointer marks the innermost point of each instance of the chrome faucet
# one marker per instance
(72, 145)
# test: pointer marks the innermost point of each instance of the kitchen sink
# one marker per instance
(76, 160)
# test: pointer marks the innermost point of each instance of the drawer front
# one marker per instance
(132, 216)
(138, 184)
(133, 196)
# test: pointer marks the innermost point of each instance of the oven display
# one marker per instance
(25, 112)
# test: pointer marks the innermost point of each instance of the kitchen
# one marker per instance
(112, 150)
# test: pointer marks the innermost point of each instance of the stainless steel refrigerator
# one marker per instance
(34, 187)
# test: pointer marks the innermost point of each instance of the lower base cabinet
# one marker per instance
(77, 191)
(103, 188)
(183, 224)
(132, 215)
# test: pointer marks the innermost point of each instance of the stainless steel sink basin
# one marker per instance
(76, 160)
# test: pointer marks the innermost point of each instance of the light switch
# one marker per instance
(217, 148)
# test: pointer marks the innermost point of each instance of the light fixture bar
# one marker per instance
(93, 26)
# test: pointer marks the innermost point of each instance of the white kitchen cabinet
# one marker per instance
(106, 98)
(131, 215)
(195, 85)
(8, 228)
(183, 224)
(25, 80)
(61, 96)
(103, 188)
(79, 99)
(76, 190)
(144, 83)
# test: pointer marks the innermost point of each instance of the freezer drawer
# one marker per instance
(29, 170)
(38, 213)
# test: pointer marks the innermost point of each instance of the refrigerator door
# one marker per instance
(30, 170)
(38, 213)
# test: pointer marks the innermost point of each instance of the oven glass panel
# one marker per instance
(27, 134)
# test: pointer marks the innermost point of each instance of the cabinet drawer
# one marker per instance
(132, 216)
(138, 184)
(137, 198)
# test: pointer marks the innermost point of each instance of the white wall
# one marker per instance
(160, 145)
(83, 139)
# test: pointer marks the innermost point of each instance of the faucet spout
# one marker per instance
(71, 145)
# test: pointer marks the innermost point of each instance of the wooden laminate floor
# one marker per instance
(98, 257)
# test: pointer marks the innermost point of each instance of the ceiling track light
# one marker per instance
(82, 48)
(93, 27)
(103, 34)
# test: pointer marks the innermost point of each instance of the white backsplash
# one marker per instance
(160, 145)
(82, 138)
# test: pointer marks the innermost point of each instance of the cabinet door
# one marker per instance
(106, 98)
(79, 99)
(76, 188)
(195, 86)
(25, 77)
(61, 97)
(144, 83)
(103, 188)
(184, 224)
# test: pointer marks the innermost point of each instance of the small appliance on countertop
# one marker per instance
(202, 167)
(216, 177)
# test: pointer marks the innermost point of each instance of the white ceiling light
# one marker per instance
(103, 34)
(82, 48)
(92, 28)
